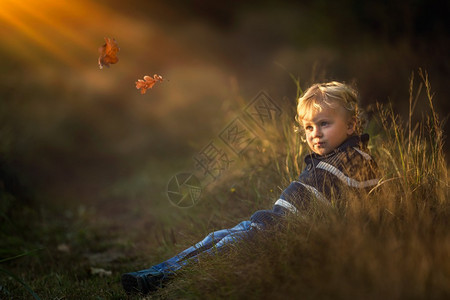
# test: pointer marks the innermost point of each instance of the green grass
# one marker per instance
(391, 244)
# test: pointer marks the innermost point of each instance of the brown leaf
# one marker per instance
(148, 82)
(108, 53)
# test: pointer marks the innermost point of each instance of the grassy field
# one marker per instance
(392, 244)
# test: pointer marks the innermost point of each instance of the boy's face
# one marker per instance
(327, 129)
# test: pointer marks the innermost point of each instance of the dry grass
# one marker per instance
(391, 244)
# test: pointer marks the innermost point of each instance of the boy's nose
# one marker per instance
(317, 132)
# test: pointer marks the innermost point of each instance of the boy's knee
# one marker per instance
(264, 218)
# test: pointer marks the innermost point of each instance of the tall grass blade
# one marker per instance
(18, 279)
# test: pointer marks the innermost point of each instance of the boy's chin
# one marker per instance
(321, 151)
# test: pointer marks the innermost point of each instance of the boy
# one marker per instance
(330, 118)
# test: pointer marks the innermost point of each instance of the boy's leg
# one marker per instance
(242, 231)
(150, 279)
(214, 240)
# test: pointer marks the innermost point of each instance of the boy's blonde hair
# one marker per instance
(330, 95)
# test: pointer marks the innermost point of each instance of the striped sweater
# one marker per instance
(323, 179)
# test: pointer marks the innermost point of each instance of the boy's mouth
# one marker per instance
(320, 144)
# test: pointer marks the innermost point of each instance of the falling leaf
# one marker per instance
(148, 82)
(108, 53)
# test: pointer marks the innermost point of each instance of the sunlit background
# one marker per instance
(73, 130)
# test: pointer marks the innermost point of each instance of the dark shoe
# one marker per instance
(142, 282)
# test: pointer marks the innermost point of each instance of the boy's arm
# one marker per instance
(297, 196)
(352, 169)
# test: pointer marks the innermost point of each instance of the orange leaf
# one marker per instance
(148, 82)
(108, 53)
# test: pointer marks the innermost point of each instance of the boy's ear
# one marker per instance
(351, 126)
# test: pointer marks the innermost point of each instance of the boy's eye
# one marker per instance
(308, 128)
(324, 123)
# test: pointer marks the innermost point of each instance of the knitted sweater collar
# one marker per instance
(359, 141)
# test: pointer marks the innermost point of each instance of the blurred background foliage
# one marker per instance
(65, 122)
(75, 136)
(71, 131)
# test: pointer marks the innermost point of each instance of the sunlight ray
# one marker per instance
(35, 36)
(57, 25)
(97, 20)
(60, 28)
(17, 48)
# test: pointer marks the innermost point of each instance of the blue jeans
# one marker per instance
(215, 241)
